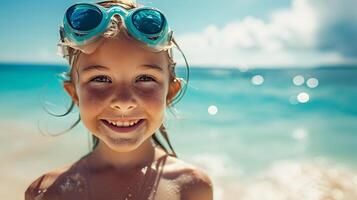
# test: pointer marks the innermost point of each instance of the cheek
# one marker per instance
(155, 96)
(154, 103)
(92, 99)
(150, 91)
(92, 94)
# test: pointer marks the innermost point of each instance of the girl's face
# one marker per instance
(118, 79)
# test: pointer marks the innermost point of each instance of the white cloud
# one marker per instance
(36, 55)
(338, 26)
(289, 37)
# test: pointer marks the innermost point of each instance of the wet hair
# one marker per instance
(116, 28)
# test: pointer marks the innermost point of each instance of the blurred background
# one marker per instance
(270, 111)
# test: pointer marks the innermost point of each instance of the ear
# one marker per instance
(71, 91)
(174, 88)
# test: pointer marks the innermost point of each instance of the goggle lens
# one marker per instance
(84, 18)
(148, 21)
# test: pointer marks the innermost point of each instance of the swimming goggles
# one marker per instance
(83, 23)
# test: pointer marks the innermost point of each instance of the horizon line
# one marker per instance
(210, 66)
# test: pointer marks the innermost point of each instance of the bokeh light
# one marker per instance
(257, 80)
(298, 80)
(303, 97)
(212, 110)
(312, 82)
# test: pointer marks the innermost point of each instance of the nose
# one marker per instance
(123, 100)
(123, 107)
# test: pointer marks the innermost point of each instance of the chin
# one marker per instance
(122, 144)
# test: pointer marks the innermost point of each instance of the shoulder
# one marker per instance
(194, 182)
(196, 185)
(40, 186)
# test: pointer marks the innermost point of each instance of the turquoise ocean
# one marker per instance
(258, 134)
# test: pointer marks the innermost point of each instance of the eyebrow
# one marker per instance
(94, 67)
(152, 66)
(101, 68)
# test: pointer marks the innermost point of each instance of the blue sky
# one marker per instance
(220, 33)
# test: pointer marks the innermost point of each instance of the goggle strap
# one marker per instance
(188, 69)
(61, 31)
(61, 49)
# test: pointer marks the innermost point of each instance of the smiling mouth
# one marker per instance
(123, 123)
(123, 127)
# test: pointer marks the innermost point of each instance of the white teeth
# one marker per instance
(123, 124)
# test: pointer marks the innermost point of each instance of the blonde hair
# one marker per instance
(116, 28)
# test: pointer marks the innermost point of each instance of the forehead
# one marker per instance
(121, 52)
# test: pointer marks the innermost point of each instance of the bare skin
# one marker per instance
(122, 79)
(165, 178)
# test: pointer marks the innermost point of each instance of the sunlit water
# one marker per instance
(260, 134)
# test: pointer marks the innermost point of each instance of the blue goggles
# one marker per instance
(83, 23)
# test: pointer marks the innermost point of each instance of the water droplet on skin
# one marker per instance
(144, 169)
(39, 197)
(67, 186)
(40, 194)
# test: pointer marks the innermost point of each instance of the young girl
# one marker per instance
(122, 79)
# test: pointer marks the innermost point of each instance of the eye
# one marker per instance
(145, 78)
(101, 78)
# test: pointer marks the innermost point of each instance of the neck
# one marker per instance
(104, 157)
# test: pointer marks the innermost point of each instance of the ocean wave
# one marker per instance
(317, 179)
